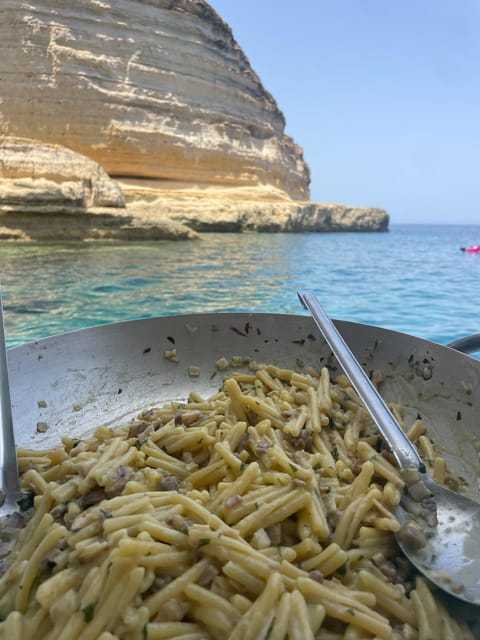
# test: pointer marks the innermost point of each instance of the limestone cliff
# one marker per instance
(147, 88)
(48, 192)
(59, 180)
(143, 118)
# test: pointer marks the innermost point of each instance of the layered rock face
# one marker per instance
(143, 119)
(48, 192)
(57, 179)
(148, 88)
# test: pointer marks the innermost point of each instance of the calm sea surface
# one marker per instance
(412, 279)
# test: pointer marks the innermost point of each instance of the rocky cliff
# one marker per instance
(161, 101)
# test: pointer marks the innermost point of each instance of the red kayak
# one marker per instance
(473, 249)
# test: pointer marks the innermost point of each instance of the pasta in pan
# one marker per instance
(262, 512)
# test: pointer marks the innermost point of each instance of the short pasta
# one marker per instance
(262, 512)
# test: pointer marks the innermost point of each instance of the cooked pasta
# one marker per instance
(264, 511)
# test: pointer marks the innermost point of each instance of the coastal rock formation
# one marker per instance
(48, 192)
(157, 90)
(52, 179)
(143, 119)
(227, 213)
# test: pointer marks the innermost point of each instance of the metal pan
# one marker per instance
(73, 382)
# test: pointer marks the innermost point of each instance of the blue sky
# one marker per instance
(382, 95)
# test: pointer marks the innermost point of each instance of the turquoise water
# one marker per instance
(412, 279)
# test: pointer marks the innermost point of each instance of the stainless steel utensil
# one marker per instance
(72, 382)
(450, 553)
(10, 487)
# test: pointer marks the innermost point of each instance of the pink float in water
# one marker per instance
(473, 249)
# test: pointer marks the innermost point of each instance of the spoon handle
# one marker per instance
(8, 458)
(403, 450)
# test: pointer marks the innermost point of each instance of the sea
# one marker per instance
(413, 279)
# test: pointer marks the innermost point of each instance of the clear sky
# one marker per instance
(382, 95)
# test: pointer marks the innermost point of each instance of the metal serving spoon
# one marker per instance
(440, 531)
(10, 486)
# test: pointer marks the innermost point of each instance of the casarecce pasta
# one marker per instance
(262, 512)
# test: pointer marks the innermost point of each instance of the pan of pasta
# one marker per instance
(216, 477)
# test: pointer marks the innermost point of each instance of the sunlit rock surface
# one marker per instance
(50, 192)
(161, 100)
(52, 179)
(149, 89)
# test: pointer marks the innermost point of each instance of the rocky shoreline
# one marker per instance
(113, 126)
(171, 220)
(71, 197)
